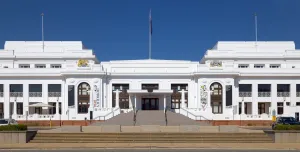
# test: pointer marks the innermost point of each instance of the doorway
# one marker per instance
(150, 104)
(297, 116)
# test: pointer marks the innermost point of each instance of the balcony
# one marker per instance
(35, 94)
(54, 94)
(264, 94)
(283, 94)
(245, 94)
(16, 94)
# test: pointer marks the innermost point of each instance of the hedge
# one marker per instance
(287, 127)
(18, 127)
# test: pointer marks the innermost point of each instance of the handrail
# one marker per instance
(134, 115)
(166, 117)
(112, 112)
(196, 116)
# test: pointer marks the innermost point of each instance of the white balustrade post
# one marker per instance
(164, 102)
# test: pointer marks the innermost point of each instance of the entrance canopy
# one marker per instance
(40, 105)
(153, 91)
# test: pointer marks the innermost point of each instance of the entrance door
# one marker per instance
(150, 104)
(297, 116)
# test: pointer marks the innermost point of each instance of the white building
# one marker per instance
(233, 81)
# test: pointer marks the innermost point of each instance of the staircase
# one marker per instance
(124, 119)
(151, 138)
(151, 117)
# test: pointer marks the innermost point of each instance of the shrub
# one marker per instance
(19, 127)
(287, 127)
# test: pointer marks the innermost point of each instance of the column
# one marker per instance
(6, 95)
(117, 98)
(243, 108)
(254, 99)
(104, 94)
(164, 101)
(183, 99)
(57, 106)
(15, 107)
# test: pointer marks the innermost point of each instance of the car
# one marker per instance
(4, 122)
(285, 121)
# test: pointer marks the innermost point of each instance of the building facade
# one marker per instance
(62, 80)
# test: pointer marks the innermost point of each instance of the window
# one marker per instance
(150, 86)
(216, 98)
(293, 67)
(264, 90)
(24, 66)
(5, 66)
(57, 66)
(259, 65)
(176, 95)
(123, 95)
(1, 111)
(1, 90)
(243, 66)
(288, 103)
(274, 65)
(16, 90)
(228, 95)
(280, 108)
(179, 87)
(298, 90)
(35, 90)
(297, 103)
(71, 95)
(83, 97)
(54, 90)
(261, 108)
(245, 90)
(20, 108)
(245, 108)
(283, 90)
(40, 66)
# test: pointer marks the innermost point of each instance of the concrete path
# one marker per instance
(244, 146)
(150, 150)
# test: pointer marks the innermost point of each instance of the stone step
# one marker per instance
(152, 141)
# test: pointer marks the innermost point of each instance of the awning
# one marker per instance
(40, 105)
(146, 92)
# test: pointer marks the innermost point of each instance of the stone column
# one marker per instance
(15, 107)
(183, 99)
(57, 107)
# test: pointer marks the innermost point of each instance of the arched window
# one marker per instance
(83, 97)
(216, 98)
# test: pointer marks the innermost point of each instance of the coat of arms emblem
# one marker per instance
(83, 63)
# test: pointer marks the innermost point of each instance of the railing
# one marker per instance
(35, 94)
(166, 116)
(264, 94)
(196, 116)
(283, 94)
(245, 94)
(134, 115)
(16, 94)
(104, 117)
(54, 94)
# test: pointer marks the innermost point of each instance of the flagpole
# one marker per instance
(150, 34)
(43, 30)
(255, 29)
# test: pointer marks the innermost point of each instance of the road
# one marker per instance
(149, 150)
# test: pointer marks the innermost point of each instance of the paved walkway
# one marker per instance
(252, 146)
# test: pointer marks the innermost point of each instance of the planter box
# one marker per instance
(16, 137)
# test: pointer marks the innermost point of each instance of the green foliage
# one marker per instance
(287, 127)
(19, 127)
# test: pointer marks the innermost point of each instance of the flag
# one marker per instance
(150, 22)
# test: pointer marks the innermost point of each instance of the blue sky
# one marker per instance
(118, 29)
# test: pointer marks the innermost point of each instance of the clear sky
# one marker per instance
(119, 29)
